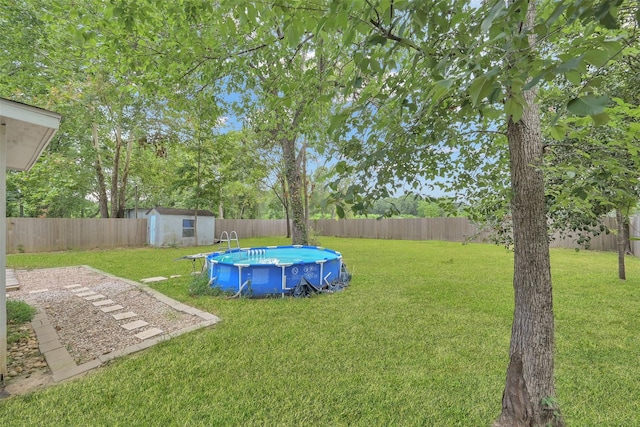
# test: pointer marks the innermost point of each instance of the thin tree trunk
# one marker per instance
(198, 183)
(122, 191)
(305, 182)
(115, 171)
(102, 188)
(195, 226)
(285, 202)
(621, 241)
(529, 394)
(628, 250)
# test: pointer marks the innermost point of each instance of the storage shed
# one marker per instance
(178, 227)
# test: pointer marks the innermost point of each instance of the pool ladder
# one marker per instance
(228, 238)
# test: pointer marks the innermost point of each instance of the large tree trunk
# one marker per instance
(292, 172)
(528, 398)
(102, 187)
(529, 394)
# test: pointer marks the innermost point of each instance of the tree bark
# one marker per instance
(102, 188)
(628, 250)
(621, 240)
(285, 203)
(529, 394)
(305, 183)
(292, 173)
(198, 184)
(122, 191)
(115, 173)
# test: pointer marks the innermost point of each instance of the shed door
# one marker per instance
(152, 230)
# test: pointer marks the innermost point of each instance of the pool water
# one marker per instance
(276, 255)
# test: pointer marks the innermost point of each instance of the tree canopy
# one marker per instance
(492, 101)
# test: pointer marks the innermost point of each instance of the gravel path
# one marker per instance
(83, 328)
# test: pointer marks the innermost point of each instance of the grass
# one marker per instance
(18, 313)
(419, 338)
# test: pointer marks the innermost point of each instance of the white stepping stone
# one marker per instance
(92, 297)
(134, 325)
(38, 291)
(112, 308)
(72, 286)
(85, 294)
(103, 302)
(122, 316)
(80, 289)
(148, 333)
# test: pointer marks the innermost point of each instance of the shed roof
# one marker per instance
(181, 212)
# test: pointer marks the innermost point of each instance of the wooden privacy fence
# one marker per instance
(447, 229)
(252, 227)
(59, 234)
(451, 229)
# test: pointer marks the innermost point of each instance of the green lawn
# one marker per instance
(419, 338)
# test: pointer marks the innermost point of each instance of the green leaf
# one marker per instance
(377, 39)
(569, 65)
(581, 193)
(600, 119)
(419, 18)
(446, 83)
(558, 132)
(480, 89)
(596, 57)
(556, 14)
(589, 105)
(597, 81)
(514, 109)
(341, 19)
(574, 77)
(604, 16)
(496, 11)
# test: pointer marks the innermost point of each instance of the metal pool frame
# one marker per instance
(248, 276)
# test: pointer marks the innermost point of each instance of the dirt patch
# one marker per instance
(26, 368)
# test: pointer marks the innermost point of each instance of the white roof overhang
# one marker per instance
(28, 131)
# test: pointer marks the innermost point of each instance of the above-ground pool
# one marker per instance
(273, 270)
